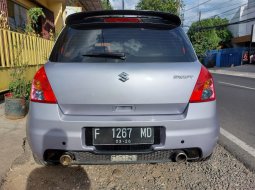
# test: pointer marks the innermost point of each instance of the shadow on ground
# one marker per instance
(58, 177)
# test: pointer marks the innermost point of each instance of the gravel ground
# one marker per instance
(222, 171)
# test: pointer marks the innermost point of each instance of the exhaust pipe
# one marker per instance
(66, 159)
(180, 156)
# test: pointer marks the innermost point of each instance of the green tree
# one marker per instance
(223, 33)
(208, 39)
(106, 5)
(172, 6)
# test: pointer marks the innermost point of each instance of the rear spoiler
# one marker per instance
(80, 18)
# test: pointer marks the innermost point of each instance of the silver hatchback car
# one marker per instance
(122, 87)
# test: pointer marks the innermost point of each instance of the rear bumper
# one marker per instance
(49, 129)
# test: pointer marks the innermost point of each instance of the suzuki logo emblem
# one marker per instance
(123, 77)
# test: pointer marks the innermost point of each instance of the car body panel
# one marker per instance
(149, 85)
(95, 88)
(48, 128)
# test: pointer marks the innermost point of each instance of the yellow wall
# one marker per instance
(25, 3)
(58, 9)
(5, 76)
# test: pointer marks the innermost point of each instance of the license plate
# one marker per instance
(123, 158)
(123, 135)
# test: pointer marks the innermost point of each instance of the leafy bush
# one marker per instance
(209, 39)
(20, 89)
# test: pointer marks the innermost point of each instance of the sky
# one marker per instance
(191, 10)
(222, 8)
(129, 4)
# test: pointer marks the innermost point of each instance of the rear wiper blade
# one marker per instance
(121, 56)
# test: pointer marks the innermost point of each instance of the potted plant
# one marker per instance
(16, 100)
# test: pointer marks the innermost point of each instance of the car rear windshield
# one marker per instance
(126, 44)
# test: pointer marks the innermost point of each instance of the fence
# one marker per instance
(17, 49)
(225, 57)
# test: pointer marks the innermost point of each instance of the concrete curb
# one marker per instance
(240, 154)
(233, 73)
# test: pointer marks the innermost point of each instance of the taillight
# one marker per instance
(41, 89)
(120, 19)
(204, 90)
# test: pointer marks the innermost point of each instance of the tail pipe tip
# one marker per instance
(180, 156)
(66, 159)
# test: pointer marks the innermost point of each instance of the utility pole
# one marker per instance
(252, 41)
(179, 7)
(123, 4)
(180, 11)
(199, 16)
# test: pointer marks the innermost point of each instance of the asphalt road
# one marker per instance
(236, 109)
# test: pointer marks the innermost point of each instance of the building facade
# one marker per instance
(86, 5)
(17, 14)
(242, 32)
(54, 10)
(74, 6)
